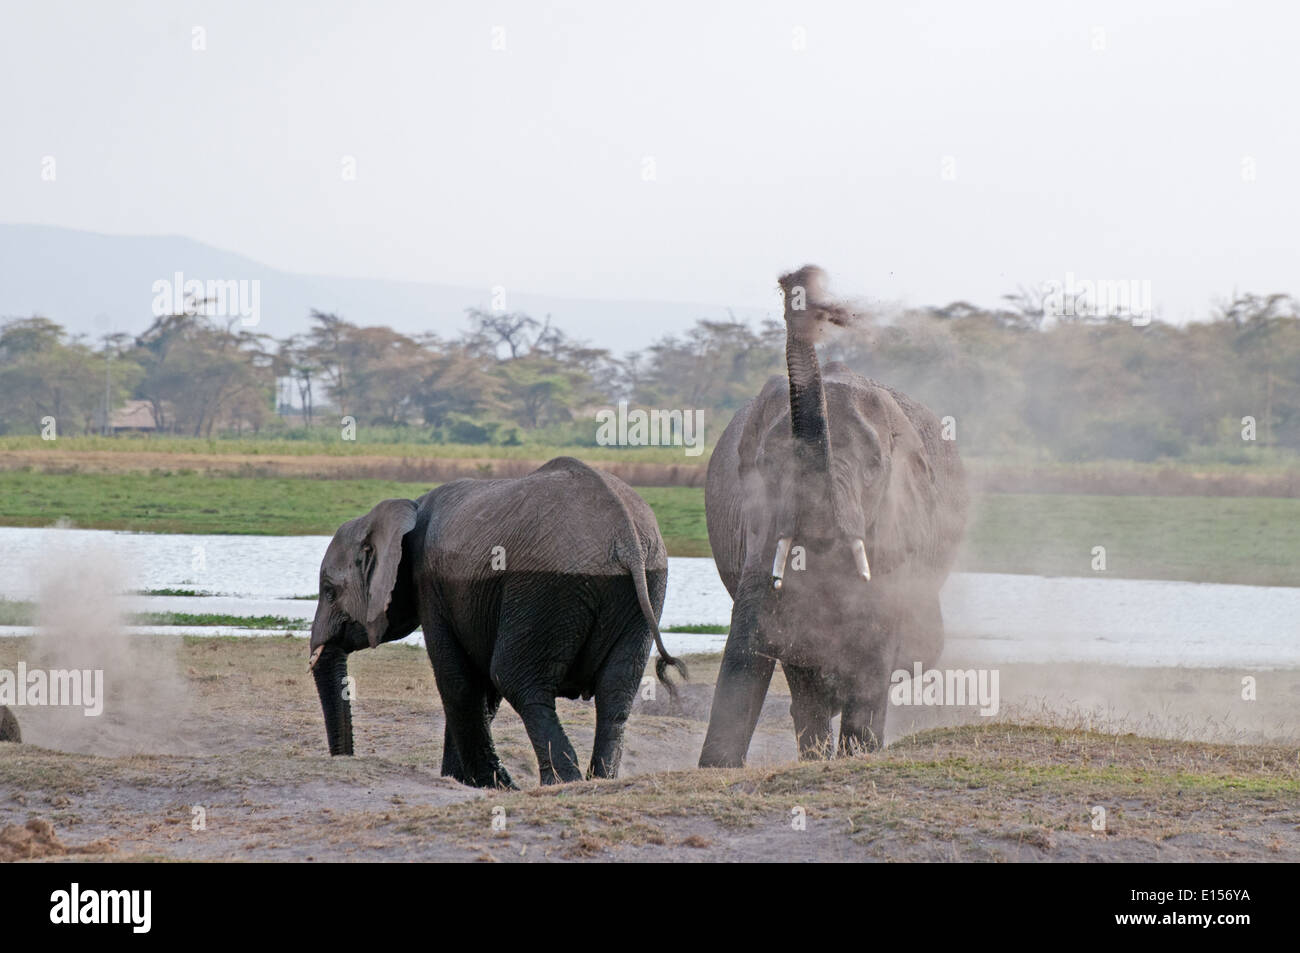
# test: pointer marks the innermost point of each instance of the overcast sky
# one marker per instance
(945, 151)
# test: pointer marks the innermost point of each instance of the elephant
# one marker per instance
(548, 585)
(9, 730)
(834, 511)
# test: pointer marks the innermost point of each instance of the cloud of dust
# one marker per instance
(80, 625)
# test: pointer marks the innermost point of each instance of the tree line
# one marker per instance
(1015, 379)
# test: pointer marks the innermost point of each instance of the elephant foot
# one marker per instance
(713, 760)
(560, 774)
(495, 777)
(856, 745)
(501, 779)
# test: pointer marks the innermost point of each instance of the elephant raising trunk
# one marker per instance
(834, 510)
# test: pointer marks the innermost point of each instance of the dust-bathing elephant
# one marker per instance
(527, 589)
(834, 511)
(9, 726)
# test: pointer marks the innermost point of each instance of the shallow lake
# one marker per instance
(991, 618)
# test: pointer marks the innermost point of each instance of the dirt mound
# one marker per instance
(36, 839)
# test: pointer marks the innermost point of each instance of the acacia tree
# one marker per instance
(297, 361)
(44, 374)
(195, 371)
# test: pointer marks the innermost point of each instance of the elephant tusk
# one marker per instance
(315, 657)
(778, 565)
(860, 557)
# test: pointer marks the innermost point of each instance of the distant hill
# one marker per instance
(90, 282)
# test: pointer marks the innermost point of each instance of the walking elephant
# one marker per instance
(834, 511)
(527, 589)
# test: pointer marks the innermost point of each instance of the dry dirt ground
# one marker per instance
(236, 740)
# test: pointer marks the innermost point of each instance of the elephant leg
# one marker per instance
(451, 763)
(468, 754)
(540, 632)
(862, 726)
(616, 688)
(743, 680)
(811, 707)
(557, 762)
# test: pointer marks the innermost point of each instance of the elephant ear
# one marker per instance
(764, 435)
(905, 523)
(380, 558)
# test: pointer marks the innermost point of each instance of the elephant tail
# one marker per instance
(665, 661)
(626, 551)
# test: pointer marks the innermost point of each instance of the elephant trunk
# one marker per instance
(804, 312)
(331, 671)
(807, 404)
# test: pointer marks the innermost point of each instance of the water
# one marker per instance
(990, 617)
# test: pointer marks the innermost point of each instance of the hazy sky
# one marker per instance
(944, 151)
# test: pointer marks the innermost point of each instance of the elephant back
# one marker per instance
(565, 517)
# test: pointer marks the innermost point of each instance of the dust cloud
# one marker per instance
(80, 625)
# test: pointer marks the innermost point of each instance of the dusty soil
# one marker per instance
(241, 748)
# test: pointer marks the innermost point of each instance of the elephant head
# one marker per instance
(843, 472)
(365, 598)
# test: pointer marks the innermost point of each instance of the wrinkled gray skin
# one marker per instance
(824, 460)
(573, 612)
(9, 726)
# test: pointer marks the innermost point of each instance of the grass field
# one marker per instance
(15, 612)
(1249, 540)
(194, 503)
(327, 442)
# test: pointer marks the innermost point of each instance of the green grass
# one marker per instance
(14, 612)
(219, 618)
(680, 512)
(275, 506)
(1251, 540)
(389, 442)
(699, 629)
(327, 441)
(191, 503)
